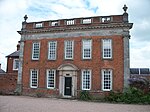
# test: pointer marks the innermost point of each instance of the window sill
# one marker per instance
(107, 59)
(15, 69)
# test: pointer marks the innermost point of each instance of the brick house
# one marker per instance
(8, 79)
(13, 61)
(63, 57)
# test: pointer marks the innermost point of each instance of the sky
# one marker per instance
(13, 11)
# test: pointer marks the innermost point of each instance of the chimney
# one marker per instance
(18, 46)
(0, 65)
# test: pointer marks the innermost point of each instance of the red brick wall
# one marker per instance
(10, 65)
(8, 83)
(95, 64)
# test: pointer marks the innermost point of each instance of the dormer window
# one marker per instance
(54, 23)
(87, 21)
(105, 19)
(38, 25)
(70, 22)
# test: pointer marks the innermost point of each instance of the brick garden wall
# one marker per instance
(8, 83)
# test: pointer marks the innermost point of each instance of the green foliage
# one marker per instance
(132, 95)
(84, 95)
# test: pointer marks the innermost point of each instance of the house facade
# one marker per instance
(64, 57)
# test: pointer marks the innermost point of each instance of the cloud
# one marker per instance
(140, 55)
(13, 11)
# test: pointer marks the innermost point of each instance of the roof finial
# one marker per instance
(25, 18)
(125, 8)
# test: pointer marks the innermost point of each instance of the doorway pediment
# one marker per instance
(67, 66)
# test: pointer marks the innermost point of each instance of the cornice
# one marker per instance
(76, 28)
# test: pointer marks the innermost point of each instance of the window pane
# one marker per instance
(51, 78)
(35, 51)
(107, 48)
(107, 79)
(86, 79)
(87, 47)
(34, 79)
(15, 64)
(52, 50)
(69, 49)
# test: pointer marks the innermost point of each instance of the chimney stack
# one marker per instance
(18, 46)
(0, 65)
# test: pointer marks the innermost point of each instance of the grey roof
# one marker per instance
(14, 54)
(2, 71)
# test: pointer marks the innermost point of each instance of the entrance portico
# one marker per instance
(67, 80)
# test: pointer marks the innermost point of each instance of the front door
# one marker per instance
(68, 86)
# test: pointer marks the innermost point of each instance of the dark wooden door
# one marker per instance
(68, 86)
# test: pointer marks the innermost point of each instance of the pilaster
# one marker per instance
(19, 80)
(126, 38)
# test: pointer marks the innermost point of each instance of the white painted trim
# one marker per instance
(55, 50)
(14, 64)
(110, 79)
(65, 43)
(54, 78)
(31, 78)
(33, 50)
(110, 48)
(90, 78)
(84, 48)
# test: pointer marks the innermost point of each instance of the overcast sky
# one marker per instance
(13, 11)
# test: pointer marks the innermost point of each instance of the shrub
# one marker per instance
(84, 95)
(132, 95)
(140, 83)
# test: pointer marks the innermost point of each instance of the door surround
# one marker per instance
(67, 70)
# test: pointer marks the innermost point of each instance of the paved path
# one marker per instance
(31, 104)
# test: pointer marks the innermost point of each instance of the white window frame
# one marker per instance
(69, 55)
(85, 47)
(14, 64)
(107, 45)
(48, 80)
(109, 73)
(84, 82)
(38, 25)
(52, 50)
(33, 51)
(31, 78)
